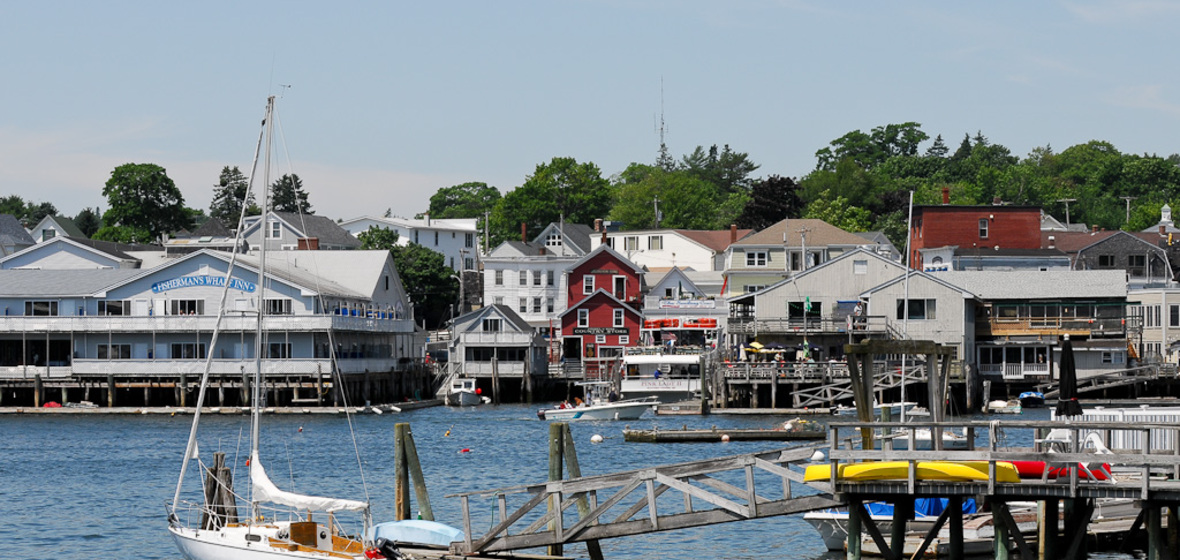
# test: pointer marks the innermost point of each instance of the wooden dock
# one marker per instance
(719, 435)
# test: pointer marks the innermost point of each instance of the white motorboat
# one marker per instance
(894, 409)
(273, 524)
(832, 523)
(463, 392)
(599, 405)
(923, 438)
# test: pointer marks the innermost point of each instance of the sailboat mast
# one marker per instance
(256, 390)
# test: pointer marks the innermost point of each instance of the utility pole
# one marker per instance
(1067, 201)
(657, 205)
(1128, 199)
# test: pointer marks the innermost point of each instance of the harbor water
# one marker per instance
(94, 486)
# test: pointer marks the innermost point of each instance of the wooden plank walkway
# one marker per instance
(633, 507)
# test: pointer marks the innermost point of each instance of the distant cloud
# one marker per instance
(1117, 11)
(1143, 97)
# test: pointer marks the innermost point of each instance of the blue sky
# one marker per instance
(390, 101)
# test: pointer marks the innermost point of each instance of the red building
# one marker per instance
(973, 227)
(602, 310)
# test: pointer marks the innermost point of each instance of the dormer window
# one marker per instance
(554, 240)
(274, 230)
(491, 325)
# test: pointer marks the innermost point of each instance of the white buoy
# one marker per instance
(724, 438)
(595, 438)
(817, 456)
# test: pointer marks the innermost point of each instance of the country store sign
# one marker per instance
(200, 281)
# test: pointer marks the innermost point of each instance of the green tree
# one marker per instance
(870, 150)
(287, 195)
(228, 196)
(838, 212)
(685, 201)
(431, 286)
(89, 220)
(728, 170)
(13, 205)
(771, 200)
(560, 189)
(468, 200)
(144, 204)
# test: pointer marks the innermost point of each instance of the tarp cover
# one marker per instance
(266, 491)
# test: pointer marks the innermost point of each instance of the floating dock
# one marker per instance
(717, 435)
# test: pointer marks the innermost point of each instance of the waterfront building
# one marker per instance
(288, 231)
(13, 237)
(55, 226)
(972, 229)
(664, 249)
(784, 250)
(74, 253)
(497, 331)
(602, 315)
(529, 276)
(457, 239)
(155, 325)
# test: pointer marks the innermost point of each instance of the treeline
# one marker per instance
(861, 182)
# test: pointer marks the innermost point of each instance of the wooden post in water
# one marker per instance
(556, 448)
(245, 392)
(526, 380)
(183, 400)
(1000, 537)
(495, 381)
(903, 511)
(38, 389)
(406, 469)
(1047, 537)
(110, 390)
(854, 537)
(570, 457)
(220, 505)
(955, 504)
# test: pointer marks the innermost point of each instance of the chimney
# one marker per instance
(946, 195)
(1052, 241)
(732, 234)
(427, 216)
(996, 201)
(1093, 229)
(524, 233)
(604, 237)
(597, 224)
(308, 244)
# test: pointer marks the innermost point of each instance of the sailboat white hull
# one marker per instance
(232, 543)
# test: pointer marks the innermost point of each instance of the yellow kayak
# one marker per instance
(951, 471)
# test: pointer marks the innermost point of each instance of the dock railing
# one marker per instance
(1053, 442)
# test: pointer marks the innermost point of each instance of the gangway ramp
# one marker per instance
(712, 491)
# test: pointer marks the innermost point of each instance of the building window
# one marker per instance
(1137, 264)
(499, 300)
(860, 267)
(751, 288)
(188, 351)
(624, 339)
(655, 243)
(274, 230)
(499, 277)
(537, 277)
(983, 228)
(416, 232)
(491, 325)
(1174, 315)
(536, 305)
(524, 305)
(618, 318)
(1105, 261)
(553, 240)
(755, 258)
(583, 317)
(114, 351)
(41, 308)
(549, 305)
(669, 293)
(1112, 357)
(468, 263)
(621, 287)
(918, 309)
(469, 240)
(436, 239)
(188, 307)
(114, 307)
(279, 350)
(452, 264)
(600, 338)
(278, 307)
(47, 234)
(549, 278)
(523, 277)
(587, 284)
(631, 243)
(796, 261)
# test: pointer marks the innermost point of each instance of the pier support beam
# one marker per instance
(955, 505)
(38, 391)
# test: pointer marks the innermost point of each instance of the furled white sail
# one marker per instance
(266, 491)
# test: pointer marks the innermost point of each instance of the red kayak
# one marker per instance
(1035, 469)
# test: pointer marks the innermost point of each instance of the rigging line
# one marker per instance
(335, 373)
(192, 436)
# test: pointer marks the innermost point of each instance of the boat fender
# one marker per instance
(465, 450)
(817, 456)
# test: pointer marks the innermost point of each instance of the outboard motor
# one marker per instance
(389, 549)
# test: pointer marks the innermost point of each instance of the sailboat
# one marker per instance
(276, 524)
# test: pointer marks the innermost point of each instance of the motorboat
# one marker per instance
(894, 409)
(923, 437)
(1031, 399)
(832, 523)
(668, 377)
(599, 405)
(463, 392)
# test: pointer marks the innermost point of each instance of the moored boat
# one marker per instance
(667, 377)
(599, 404)
(832, 523)
(463, 392)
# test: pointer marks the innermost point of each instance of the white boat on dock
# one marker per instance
(667, 377)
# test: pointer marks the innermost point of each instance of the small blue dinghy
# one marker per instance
(417, 532)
